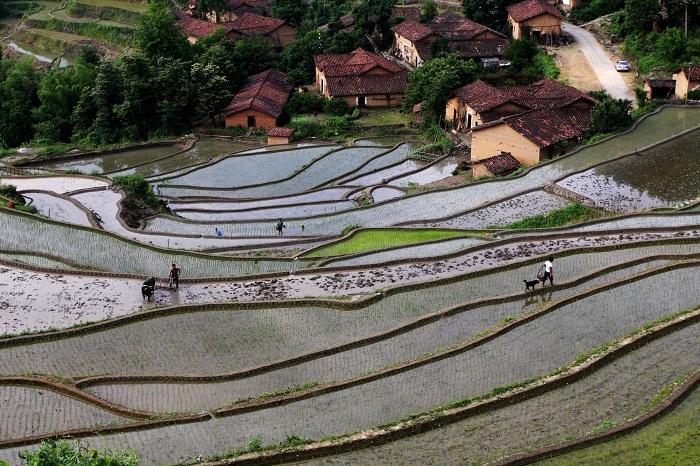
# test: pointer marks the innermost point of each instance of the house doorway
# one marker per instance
(251, 122)
(362, 101)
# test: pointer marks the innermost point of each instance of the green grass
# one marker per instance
(671, 440)
(382, 116)
(372, 240)
(572, 213)
(135, 6)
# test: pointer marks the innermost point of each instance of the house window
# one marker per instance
(251, 121)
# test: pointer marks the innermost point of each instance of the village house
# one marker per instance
(687, 80)
(277, 136)
(260, 102)
(362, 78)
(277, 31)
(502, 164)
(233, 9)
(530, 122)
(194, 29)
(659, 88)
(536, 19)
(413, 40)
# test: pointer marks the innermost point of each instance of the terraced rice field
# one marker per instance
(411, 345)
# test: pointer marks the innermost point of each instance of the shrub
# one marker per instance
(10, 192)
(63, 453)
(694, 95)
(594, 9)
(137, 188)
(304, 102)
(609, 115)
(572, 213)
(337, 107)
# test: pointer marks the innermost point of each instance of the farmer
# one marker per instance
(280, 226)
(174, 276)
(548, 269)
(218, 232)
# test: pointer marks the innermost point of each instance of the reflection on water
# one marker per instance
(384, 194)
(661, 177)
(435, 172)
(113, 161)
(44, 59)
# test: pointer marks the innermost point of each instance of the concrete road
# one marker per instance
(602, 65)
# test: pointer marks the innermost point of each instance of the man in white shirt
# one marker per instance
(548, 271)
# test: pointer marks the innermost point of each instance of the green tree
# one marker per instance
(439, 47)
(254, 54)
(59, 92)
(435, 81)
(18, 96)
(174, 96)
(64, 453)
(521, 53)
(670, 46)
(205, 7)
(222, 55)
(428, 10)
(293, 11)
(373, 18)
(137, 110)
(158, 35)
(609, 115)
(491, 13)
(106, 95)
(212, 90)
(639, 15)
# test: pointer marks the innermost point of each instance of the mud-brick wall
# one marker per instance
(262, 120)
(488, 142)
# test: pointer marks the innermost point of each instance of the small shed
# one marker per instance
(498, 165)
(277, 136)
(660, 88)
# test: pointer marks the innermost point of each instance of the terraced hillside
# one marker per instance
(387, 329)
(57, 30)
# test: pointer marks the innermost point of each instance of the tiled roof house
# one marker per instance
(260, 102)
(193, 29)
(687, 80)
(361, 78)
(527, 121)
(535, 18)
(501, 164)
(412, 39)
(248, 24)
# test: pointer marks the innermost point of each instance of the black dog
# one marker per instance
(530, 284)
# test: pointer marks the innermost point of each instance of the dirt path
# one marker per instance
(600, 62)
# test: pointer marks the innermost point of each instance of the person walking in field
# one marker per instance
(174, 276)
(548, 271)
(280, 226)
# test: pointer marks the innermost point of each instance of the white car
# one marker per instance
(622, 65)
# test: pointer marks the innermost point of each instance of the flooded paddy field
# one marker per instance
(202, 151)
(236, 170)
(664, 176)
(615, 393)
(113, 161)
(513, 356)
(318, 347)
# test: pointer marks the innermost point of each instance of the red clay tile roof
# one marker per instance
(482, 96)
(531, 8)
(412, 30)
(661, 83)
(357, 62)
(266, 92)
(546, 126)
(192, 27)
(250, 24)
(411, 12)
(692, 72)
(280, 132)
(501, 164)
(347, 74)
(462, 35)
